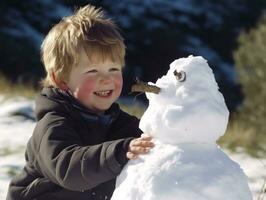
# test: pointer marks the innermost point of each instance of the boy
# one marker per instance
(82, 139)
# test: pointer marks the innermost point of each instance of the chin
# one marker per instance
(102, 108)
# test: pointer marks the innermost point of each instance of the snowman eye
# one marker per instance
(180, 76)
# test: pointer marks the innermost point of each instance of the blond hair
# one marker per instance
(87, 29)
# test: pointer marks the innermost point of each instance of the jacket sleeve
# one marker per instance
(64, 161)
(126, 127)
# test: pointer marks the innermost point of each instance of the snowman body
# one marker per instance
(186, 119)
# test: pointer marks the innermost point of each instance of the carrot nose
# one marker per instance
(141, 86)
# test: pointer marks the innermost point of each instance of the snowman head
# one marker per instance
(188, 107)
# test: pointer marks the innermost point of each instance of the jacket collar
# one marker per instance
(105, 118)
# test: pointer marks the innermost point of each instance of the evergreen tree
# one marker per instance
(251, 70)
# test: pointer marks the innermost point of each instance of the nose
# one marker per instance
(105, 78)
(141, 86)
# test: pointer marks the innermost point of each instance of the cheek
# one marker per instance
(118, 80)
(86, 88)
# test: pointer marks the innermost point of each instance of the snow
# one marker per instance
(16, 127)
(185, 118)
(194, 108)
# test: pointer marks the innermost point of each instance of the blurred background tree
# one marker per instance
(156, 33)
(250, 59)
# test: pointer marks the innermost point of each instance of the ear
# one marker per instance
(61, 84)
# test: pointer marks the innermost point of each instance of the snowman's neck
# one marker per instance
(187, 145)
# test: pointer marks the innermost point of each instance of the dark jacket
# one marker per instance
(73, 153)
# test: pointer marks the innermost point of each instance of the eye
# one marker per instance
(114, 69)
(180, 76)
(91, 71)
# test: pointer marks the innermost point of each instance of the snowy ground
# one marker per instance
(16, 125)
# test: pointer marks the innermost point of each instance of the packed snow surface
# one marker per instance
(190, 111)
(186, 119)
(16, 126)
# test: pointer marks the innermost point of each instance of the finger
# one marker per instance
(133, 142)
(142, 143)
(131, 156)
(139, 150)
(145, 136)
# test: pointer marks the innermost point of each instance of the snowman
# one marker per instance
(186, 116)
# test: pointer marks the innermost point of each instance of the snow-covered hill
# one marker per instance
(17, 123)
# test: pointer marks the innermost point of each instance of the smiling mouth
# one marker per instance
(105, 93)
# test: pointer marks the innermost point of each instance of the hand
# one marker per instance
(141, 145)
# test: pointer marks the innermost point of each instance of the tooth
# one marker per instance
(103, 93)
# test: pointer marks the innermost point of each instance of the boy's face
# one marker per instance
(96, 84)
